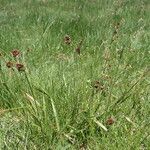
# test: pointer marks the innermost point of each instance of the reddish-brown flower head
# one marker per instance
(20, 67)
(15, 52)
(110, 121)
(67, 39)
(9, 64)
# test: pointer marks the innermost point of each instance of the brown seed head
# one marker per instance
(9, 64)
(20, 67)
(98, 85)
(67, 39)
(110, 121)
(15, 52)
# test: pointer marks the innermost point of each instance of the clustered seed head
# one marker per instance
(110, 121)
(15, 53)
(20, 67)
(98, 85)
(9, 64)
(67, 39)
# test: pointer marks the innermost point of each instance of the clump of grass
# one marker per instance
(90, 91)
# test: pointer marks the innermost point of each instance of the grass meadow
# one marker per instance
(74, 74)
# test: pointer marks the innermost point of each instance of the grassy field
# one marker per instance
(74, 74)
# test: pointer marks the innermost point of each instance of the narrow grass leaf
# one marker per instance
(55, 114)
(31, 99)
(100, 125)
(130, 121)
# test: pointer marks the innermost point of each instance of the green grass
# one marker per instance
(64, 100)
